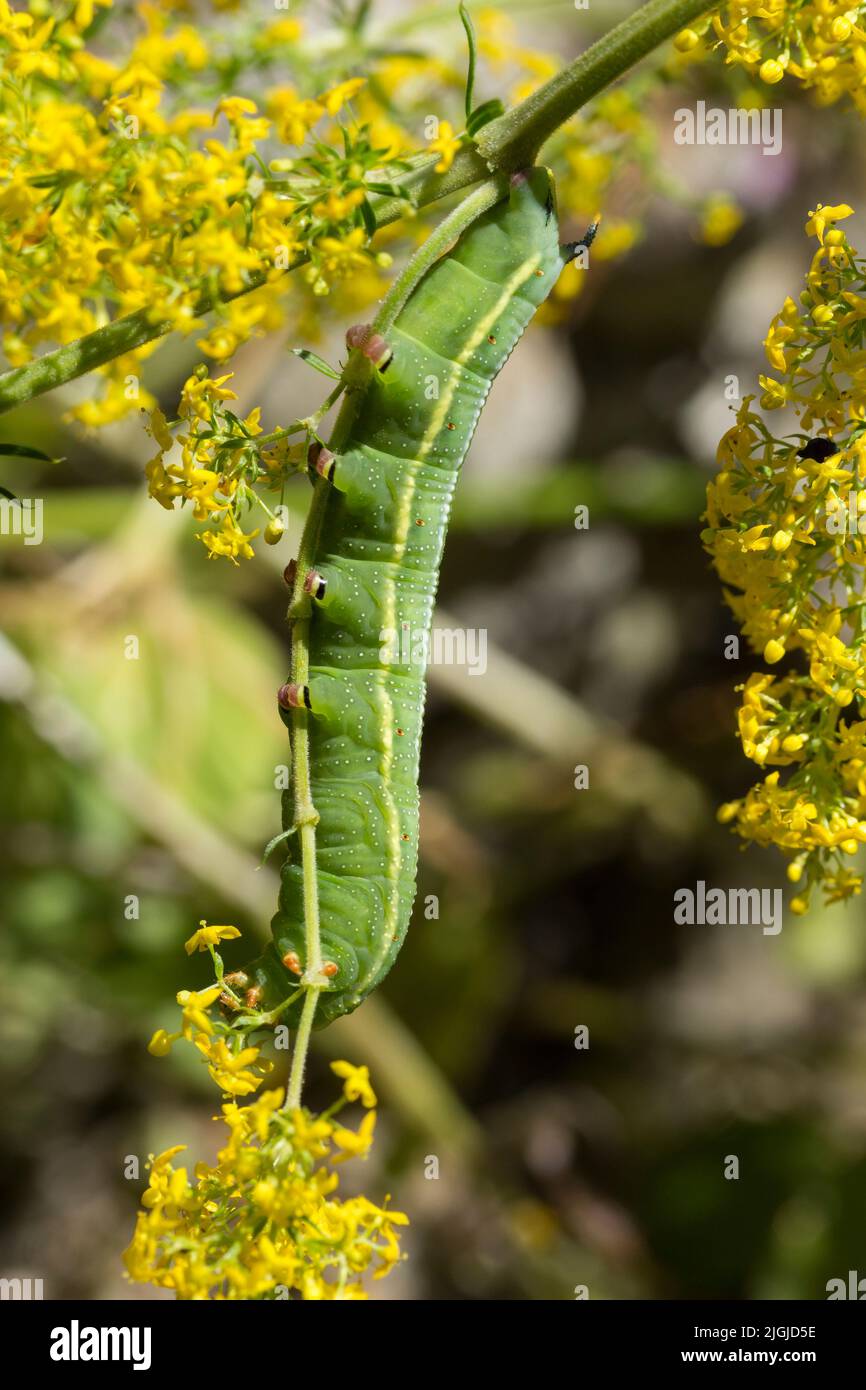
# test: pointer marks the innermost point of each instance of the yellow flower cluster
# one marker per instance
(222, 458)
(128, 186)
(120, 191)
(787, 520)
(821, 43)
(264, 1221)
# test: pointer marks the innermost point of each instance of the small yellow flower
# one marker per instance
(234, 108)
(446, 145)
(336, 97)
(209, 936)
(822, 215)
(356, 1083)
(195, 1004)
(232, 1070)
(229, 541)
(354, 1144)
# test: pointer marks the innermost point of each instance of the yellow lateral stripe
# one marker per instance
(404, 516)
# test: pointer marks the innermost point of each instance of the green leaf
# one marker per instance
(482, 115)
(390, 190)
(466, 21)
(272, 844)
(314, 360)
(24, 451)
(368, 217)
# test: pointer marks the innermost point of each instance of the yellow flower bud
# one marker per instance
(822, 314)
(799, 906)
(840, 29)
(834, 237)
(264, 1194)
(771, 72)
(774, 651)
(843, 696)
(274, 532)
(795, 871)
(849, 846)
(782, 540)
(160, 1043)
(793, 743)
(686, 40)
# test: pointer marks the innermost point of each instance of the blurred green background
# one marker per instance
(153, 778)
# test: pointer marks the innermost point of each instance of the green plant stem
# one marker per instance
(306, 817)
(513, 140)
(508, 143)
(302, 1047)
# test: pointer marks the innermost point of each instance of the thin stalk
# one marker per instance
(302, 1047)
(513, 140)
(306, 817)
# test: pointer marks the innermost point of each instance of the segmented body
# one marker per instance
(379, 552)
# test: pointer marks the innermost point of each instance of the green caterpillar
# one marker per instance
(390, 481)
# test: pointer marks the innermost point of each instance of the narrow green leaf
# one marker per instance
(24, 451)
(272, 844)
(466, 21)
(369, 218)
(482, 115)
(314, 360)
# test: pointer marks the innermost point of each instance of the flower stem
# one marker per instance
(302, 1045)
(508, 143)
